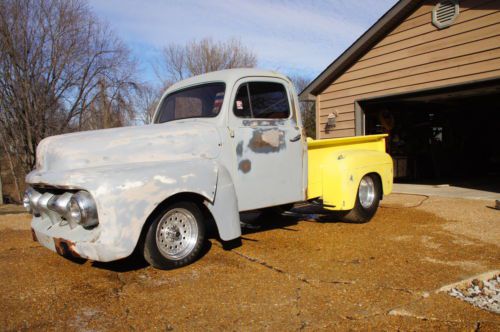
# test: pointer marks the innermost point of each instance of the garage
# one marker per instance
(447, 135)
(427, 73)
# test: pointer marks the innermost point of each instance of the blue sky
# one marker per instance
(294, 37)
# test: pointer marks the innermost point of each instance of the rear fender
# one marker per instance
(344, 172)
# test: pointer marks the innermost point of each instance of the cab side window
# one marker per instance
(262, 100)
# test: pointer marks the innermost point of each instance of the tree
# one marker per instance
(56, 61)
(178, 62)
(112, 106)
(147, 98)
(307, 109)
(1, 187)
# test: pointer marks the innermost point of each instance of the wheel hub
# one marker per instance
(366, 192)
(172, 233)
(176, 234)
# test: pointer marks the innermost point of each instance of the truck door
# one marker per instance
(268, 144)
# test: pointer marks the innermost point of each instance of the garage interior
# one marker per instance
(441, 136)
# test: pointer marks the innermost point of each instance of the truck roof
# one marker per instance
(229, 76)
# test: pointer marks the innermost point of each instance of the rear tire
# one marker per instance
(176, 236)
(367, 200)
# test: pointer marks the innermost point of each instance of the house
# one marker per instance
(428, 74)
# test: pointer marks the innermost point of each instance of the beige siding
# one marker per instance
(416, 55)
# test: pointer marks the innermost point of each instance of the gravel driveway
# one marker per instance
(296, 272)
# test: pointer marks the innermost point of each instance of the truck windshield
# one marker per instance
(203, 101)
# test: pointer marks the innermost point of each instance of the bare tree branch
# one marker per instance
(56, 59)
(178, 62)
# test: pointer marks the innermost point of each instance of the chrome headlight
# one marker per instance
(60, 203)
(30, 200)
(27, 201)
(82, 209)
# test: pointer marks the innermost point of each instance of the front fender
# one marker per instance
(224, 207)
(126, 195)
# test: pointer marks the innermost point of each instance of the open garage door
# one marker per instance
(450, 135)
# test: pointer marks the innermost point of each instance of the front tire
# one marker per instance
(176, 236)
(367, 200)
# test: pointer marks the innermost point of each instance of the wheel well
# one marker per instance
(180, 197)
(378, 178)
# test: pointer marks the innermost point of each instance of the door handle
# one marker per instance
(295, 139)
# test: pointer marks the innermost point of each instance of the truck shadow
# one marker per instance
(266, 222)
(256, 222)
(136, 261)
(131, 263)
(311, 212)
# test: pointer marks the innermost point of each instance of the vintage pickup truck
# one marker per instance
(220, 144)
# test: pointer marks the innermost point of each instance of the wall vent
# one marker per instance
(445, 13)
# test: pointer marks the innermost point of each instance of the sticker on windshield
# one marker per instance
(239, 104)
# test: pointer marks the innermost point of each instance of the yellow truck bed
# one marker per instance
(336, 166)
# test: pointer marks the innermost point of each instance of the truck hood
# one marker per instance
(177, 140)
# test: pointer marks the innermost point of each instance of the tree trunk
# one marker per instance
(1, 189)
(12, 171)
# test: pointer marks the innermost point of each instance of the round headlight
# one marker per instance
(30, 200)
(74, 211)
(82, 209)
(27, 201)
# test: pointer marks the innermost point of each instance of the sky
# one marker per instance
(294, 37)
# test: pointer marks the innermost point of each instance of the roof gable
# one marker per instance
(374, 34)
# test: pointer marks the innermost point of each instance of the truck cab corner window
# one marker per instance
(242, 103)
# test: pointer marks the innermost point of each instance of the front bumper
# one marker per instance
(76, 242)
(66, 241)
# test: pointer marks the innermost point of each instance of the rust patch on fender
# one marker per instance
(245, 166)
(239, 149)
(267, 140)
(65, 248)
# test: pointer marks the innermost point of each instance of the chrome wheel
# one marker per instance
(366, 192)
(177, 234)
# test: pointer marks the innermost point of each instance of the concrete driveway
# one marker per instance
(296, 272)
